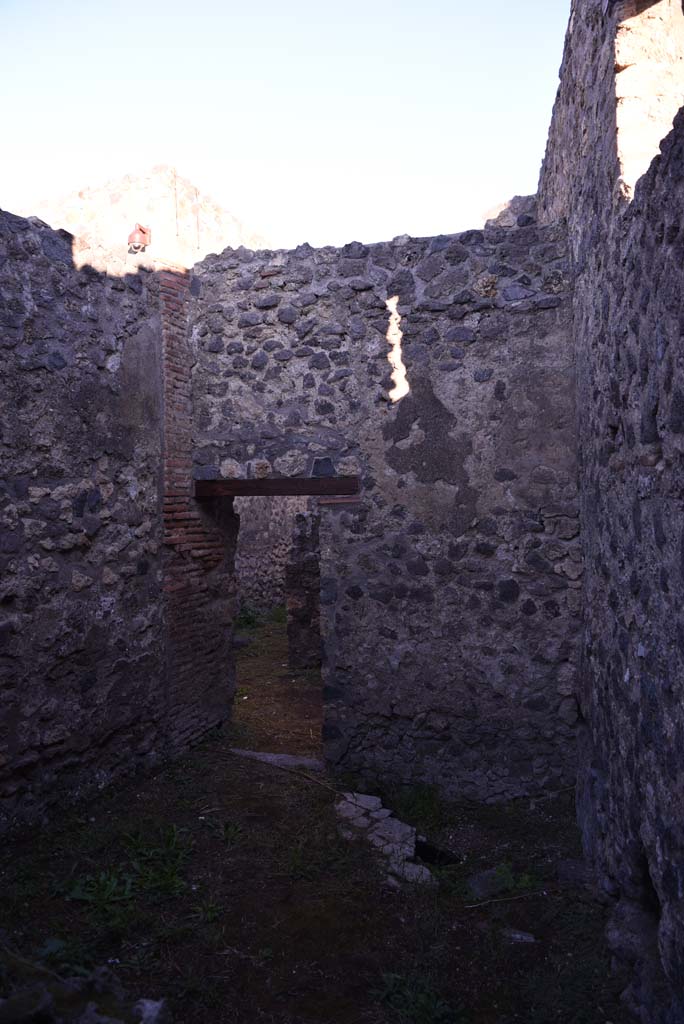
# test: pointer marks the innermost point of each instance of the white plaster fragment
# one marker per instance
(394, 356)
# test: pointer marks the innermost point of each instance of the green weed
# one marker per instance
(141, 958)
(230, 832)
(297, 863)
(207, 912)
(509, 882)
(320, 853)
(451, 878)
(278, 614)
(158, 863)
(102, 890)
(247, 618)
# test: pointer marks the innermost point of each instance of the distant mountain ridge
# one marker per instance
(186, 225)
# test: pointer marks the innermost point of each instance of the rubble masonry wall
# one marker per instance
(621, 84)
(450, 589)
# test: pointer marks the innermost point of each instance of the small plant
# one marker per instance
(102, 890)
(318, 854)
(297, 864)
(158, 864)
(139, 958)
(207, 912)
(508, 881)
(232, 833)
(247, 618)
(278, 614)
(173, 932)
(413, 999)
(451, 878)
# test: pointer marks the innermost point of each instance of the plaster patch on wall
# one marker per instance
(394, 335)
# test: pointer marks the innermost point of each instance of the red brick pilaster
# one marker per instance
(199, 546)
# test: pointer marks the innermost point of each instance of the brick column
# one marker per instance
(199, 547)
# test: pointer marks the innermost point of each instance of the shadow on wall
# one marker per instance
(100, 541)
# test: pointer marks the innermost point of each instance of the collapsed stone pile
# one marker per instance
(363, 816)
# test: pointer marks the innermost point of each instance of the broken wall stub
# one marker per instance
(449, 590)
(628, 260)
(81, 646)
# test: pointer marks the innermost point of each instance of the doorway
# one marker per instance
(278, 706)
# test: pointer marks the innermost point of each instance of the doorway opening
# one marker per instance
(278, 704)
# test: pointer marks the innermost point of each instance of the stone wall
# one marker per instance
(449, 590)
(629, 315)
(267, 529)
(450, 587)
(621, 85)
(117, 592)
(81, 650)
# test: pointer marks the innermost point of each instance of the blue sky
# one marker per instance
(310, 121)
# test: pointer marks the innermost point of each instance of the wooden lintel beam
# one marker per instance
(274, 486)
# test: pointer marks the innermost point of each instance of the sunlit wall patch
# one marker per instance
(394, 356)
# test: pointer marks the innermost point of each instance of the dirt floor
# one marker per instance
(223, 885)
(275, 709)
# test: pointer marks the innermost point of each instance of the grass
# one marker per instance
(230, 832)
(152, 867)
(452, 878)
(102, 891)
(208, 912)
(158, 860)
(247, 618)
(319, 854)
(278, 614)
(250, 619)
(224, 885)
